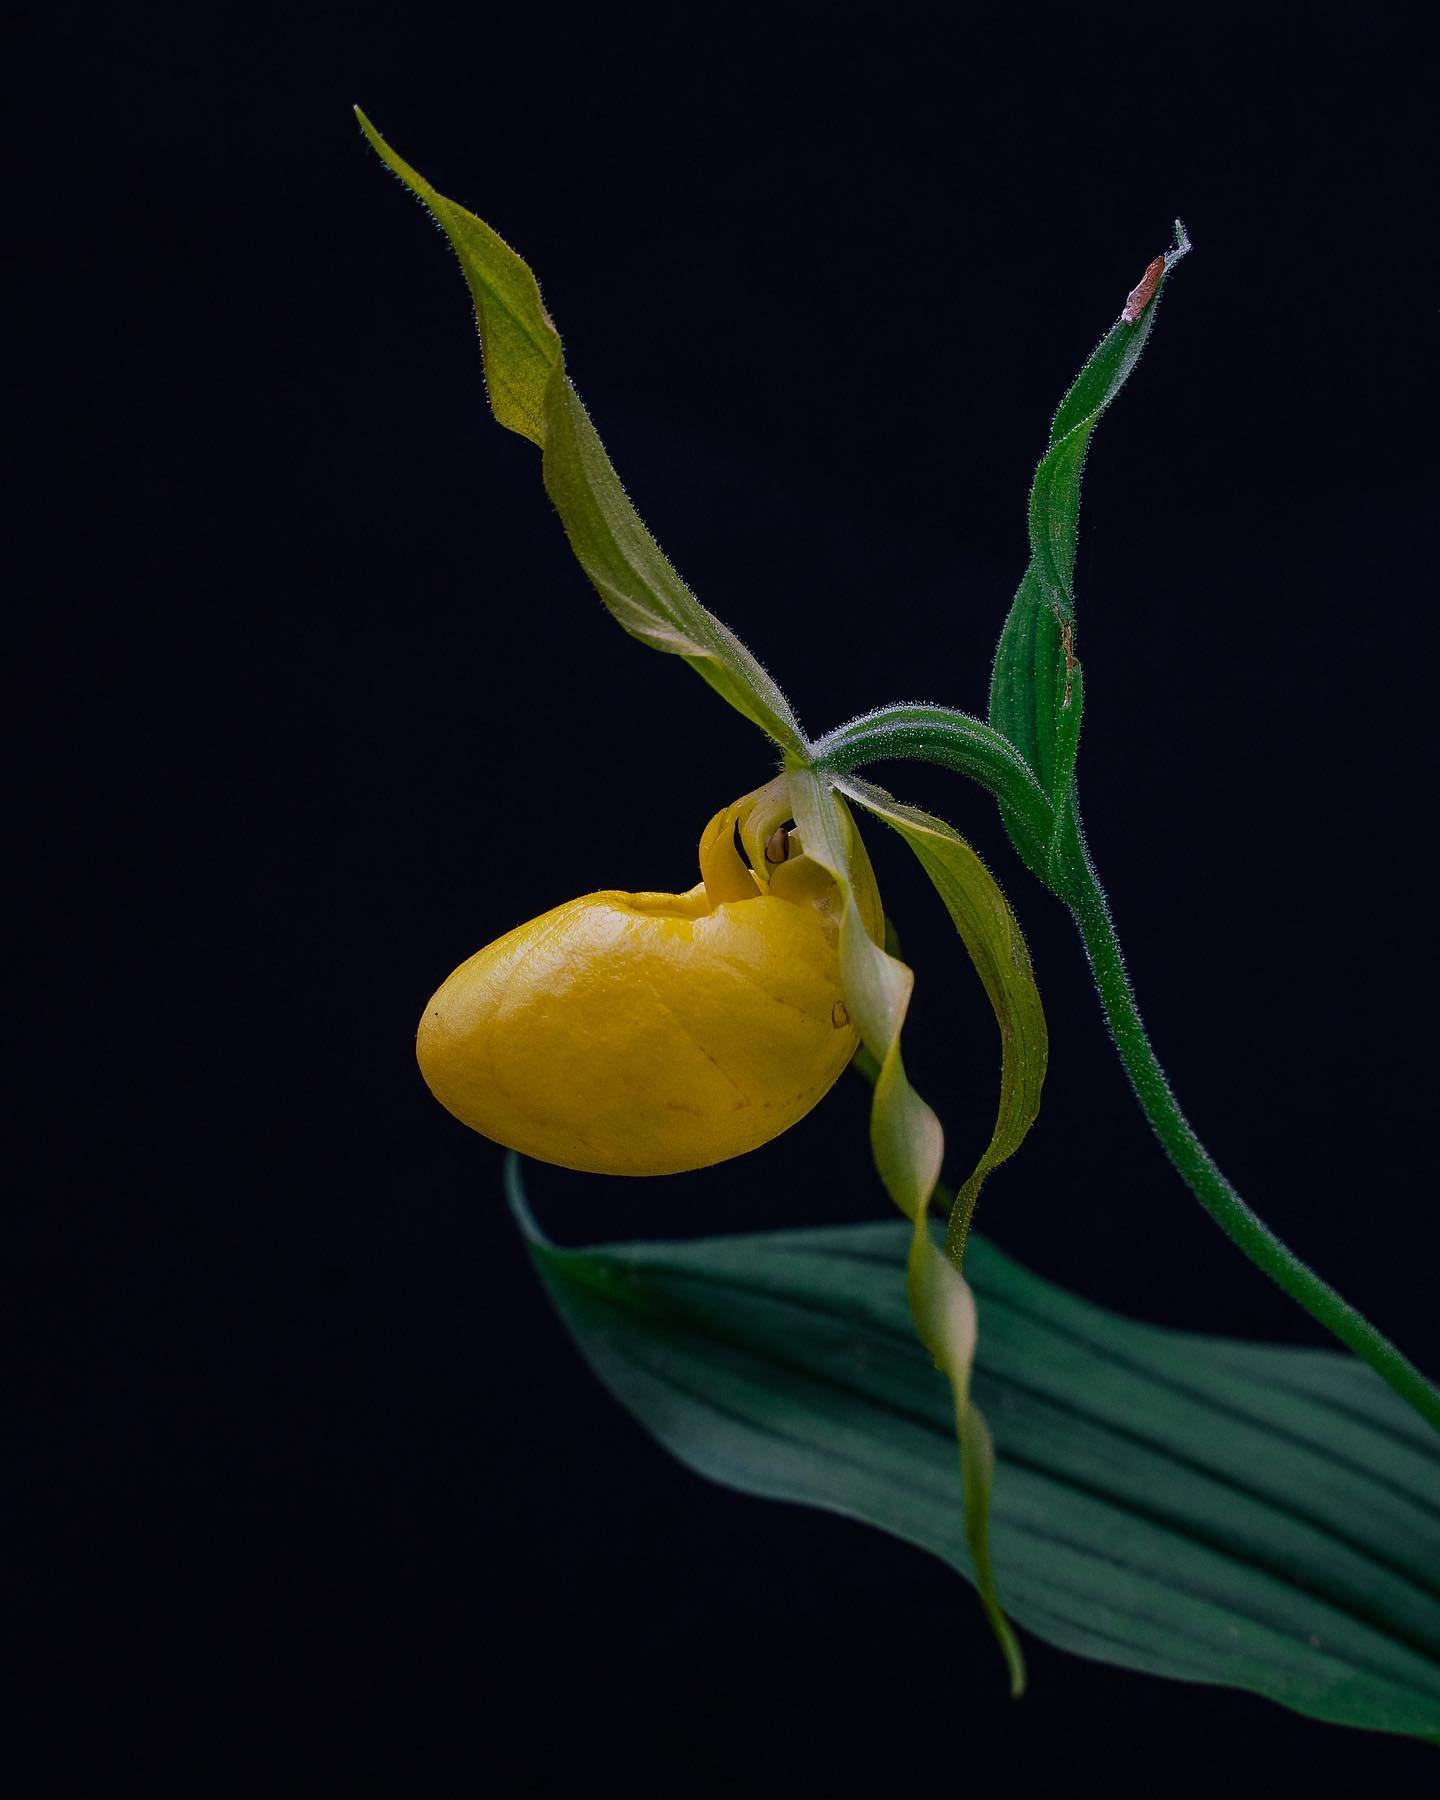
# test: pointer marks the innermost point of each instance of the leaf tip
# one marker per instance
(1143, 291)
(1156, 270)
(373, 137)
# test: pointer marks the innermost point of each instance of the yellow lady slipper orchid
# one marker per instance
(645, 1034)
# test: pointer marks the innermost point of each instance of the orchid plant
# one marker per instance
(654, 1033)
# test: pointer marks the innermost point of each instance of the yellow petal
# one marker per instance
(642, 1034)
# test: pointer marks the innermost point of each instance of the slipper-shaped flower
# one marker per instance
(645, 1034)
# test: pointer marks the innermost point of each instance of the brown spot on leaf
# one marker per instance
(1143, 291)
(1067, 645)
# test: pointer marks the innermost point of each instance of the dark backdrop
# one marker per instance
(315, 1493)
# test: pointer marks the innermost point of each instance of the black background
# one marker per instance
(314, 1492)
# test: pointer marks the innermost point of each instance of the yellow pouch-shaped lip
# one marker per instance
(643, 1034)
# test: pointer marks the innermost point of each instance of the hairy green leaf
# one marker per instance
(531, 394)
(1254, 1517)
(1035, 695)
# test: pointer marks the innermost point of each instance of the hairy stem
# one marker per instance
(1082, 891)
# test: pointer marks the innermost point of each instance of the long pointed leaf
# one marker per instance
(1259, 1518)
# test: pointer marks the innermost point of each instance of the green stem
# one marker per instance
(1082, 891)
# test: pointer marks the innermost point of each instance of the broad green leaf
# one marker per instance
(908, 1145)
(994, 942)
(531, 394)
(1035, 694)
(1254, 1517)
